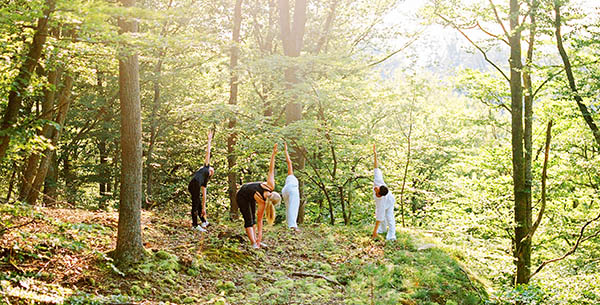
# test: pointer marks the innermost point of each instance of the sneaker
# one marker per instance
(263, 245)
(255, 246)
(199, 229)
(204, 224)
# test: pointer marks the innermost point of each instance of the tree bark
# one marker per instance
(21, 82)
(233, 93)
(528, 146)
(64, 101)
(522, 248)
(587, 116)
(129, 235)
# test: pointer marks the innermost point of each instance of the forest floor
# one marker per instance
(59, 256)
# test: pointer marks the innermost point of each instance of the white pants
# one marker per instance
(388, 223)
(291, 196)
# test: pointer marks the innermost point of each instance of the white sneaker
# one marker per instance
(199, 229)
(204, 224)
(255, 246)
(263, 245)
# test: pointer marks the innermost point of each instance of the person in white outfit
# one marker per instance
(384, 204)
(291, 194)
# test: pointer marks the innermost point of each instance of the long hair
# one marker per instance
(273, 200)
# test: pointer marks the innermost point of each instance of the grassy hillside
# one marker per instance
(59, 257)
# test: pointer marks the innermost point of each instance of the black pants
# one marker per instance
(247, 204)
(194, 188)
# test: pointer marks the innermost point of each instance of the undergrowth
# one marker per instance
(61, 258)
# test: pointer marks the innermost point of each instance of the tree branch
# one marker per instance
(580, 239)
(544, 177)
(475, 45)
(498, 19)
(410, 42)
(491, 34)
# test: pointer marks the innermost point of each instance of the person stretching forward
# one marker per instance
(291, 194)
(198, 183)
(262, 193)
(384, 204)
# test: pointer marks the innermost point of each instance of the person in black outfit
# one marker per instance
(262, 193)
(198, 185)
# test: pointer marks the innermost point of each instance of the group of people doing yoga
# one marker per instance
(263, 194)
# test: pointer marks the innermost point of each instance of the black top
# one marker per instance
(250, 188)
(202, 175)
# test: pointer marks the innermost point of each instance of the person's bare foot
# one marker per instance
(295, 229)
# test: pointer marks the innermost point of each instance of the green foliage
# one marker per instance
(458, 179)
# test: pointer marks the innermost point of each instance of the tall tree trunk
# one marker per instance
(587, 116)
(528, 142)
(50, 184)
(292, 36)
(64, 101)
(522, 248)
(47, 114)
(129, 236)
(233, 92)
(21, 82)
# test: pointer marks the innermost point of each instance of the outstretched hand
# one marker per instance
(375, 165)
(285, 147)
(275, 147)
(210, 135)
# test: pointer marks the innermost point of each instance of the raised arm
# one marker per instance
(207, 158)
(378, 175)
(288, 160)
(271, 175)
(374, 157)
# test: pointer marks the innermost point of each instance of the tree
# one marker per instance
(129, 236)
(64, 101)
(47, 113)
(21, 82)
(521, 114)
(233, 94)
(587, 116)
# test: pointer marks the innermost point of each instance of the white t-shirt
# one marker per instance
(384, 202)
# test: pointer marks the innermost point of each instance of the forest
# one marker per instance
(485, 116)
